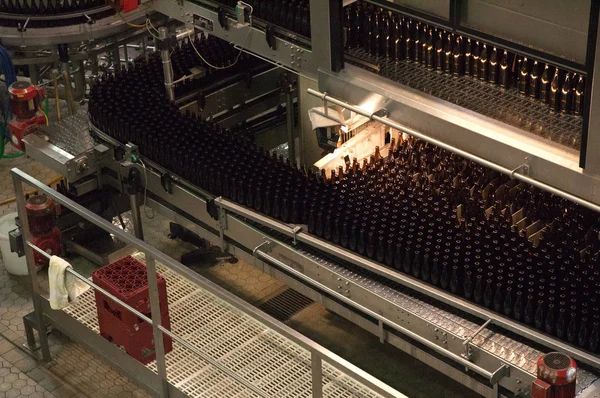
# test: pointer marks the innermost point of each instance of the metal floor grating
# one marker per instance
(285, 305)
(265, 358)
(507, 106)
(512, 351)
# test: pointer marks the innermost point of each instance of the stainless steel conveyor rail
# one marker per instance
(318, 354)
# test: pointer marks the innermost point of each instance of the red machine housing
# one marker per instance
(123, 5)
(556, 374)
(127, 279)
(25, 100)
(45, 234)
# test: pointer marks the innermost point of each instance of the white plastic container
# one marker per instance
(14, 264)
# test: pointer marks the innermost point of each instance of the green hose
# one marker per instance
(8, 156)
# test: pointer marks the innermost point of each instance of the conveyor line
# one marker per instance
(493, 341)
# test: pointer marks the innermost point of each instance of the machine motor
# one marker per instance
(25, 100)
(45, 234)
(556, 374)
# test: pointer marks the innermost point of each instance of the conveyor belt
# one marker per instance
(265, 358)
(507, 106)
(510, 350)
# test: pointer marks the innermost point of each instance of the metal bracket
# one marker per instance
(467, 342)
(222, 226)
(90, 22)
(297, 229)
(167, 182)
(383, 112)
(21, 30)
(270, 37)
(266, 243)
(131, 150)
(222, 17)
(502, 372)
(524, 167)
(212, 209)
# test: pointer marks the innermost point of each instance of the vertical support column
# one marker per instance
(166, 61)
(33, 73)
(79, 80)
(590, 138)
(94, 64)
(125, 54)
(35, 287)
(159, 347)
(136, 216)
(327, 30)
(289, 106)
(144, 45)
(317, 374)
(309, 152)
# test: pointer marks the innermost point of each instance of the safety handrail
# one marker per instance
(318, 352)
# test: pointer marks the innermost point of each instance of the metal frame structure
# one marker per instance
(318, 353)
(496, 142)
(373, 306)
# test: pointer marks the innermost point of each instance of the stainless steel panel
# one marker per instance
(251, 39)
(43, 37)
(238, 92)
(555, 27)
(67, 165)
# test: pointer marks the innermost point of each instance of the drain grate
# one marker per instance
(285, 304)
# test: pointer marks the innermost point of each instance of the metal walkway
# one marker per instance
(274, 364)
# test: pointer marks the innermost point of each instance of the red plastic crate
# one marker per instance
(127, 280)
(138, 342)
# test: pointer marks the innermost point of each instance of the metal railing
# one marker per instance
(317, 352)
(492, 377)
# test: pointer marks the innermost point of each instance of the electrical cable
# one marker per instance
(112, 199)
(44, 113)
(146, 190)
(134, 25)
(148, 21)
(148, 25)
(222, 67)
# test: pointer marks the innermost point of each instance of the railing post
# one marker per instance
(35, 287)
(159, 347)
(317, 374)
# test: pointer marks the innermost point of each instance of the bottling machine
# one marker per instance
(439, 187)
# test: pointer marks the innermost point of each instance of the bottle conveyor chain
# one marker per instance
(481, 349)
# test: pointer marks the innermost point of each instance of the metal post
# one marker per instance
(35, 287)
(33, 73)
(136, 217)
(94, 64)
(289, 104)
(317, 374)
(326, 23)
(116, 56)
(159, 347)
(166, 61)
(79, 80)
(125, 54)
(144, 48)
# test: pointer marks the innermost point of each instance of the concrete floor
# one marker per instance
(76, 372)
